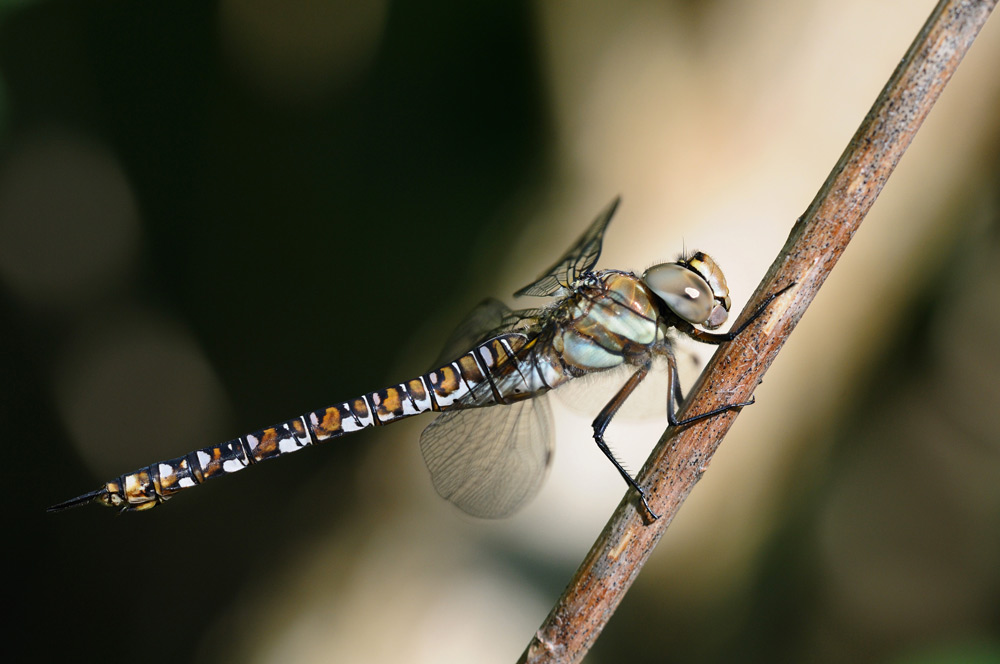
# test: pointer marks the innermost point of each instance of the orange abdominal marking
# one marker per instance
(450, 382)
(330, 423)
(417, 390)
(391, 403)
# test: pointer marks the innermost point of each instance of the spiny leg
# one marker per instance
(716, 338)
(674, 397)
(674, 400)
(673, 387)
(602, 421)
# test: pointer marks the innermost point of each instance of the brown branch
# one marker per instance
(816, 241)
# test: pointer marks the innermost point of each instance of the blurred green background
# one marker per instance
(214, 217)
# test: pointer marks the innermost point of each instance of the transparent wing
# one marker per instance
(488, 319)
(490, 461)
(581, 257)
(588, 394)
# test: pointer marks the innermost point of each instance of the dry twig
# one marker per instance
(817, 240)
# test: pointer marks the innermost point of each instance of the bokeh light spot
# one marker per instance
(135, 388)
(294, 53)
(68, 220)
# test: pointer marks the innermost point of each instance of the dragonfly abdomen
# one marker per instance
(478, 378)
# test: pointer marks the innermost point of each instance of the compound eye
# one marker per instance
(687, 294)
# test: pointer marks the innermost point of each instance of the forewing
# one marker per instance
(486, 316)
(580, 258)
(490, 461)
(490, 318)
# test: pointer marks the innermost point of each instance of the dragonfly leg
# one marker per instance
(674, 400)
(602, 421)
(716, 338)
(675, 383)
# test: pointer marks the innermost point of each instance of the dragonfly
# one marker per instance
(489, 449)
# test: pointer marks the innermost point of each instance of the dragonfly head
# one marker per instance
(694, 288)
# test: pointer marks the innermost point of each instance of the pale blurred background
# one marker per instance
(217, 217)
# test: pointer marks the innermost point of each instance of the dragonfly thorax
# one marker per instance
(695, 289)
